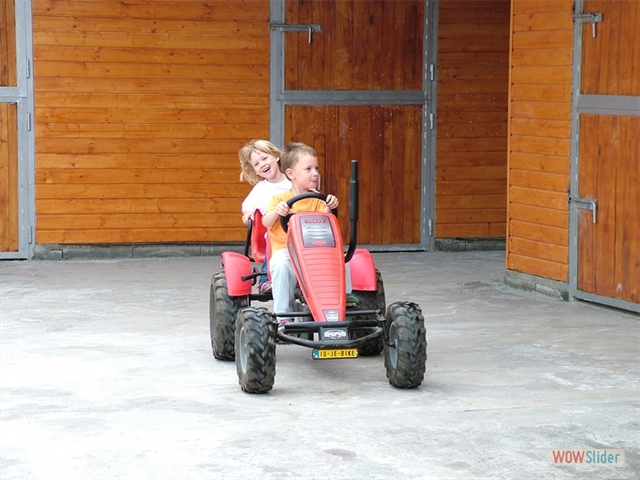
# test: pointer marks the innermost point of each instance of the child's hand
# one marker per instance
(282, 209)
(332, 202)
(246, 217)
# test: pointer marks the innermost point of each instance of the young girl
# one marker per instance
(259, 161)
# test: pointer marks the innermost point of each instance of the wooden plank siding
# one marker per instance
(539, 137)
(141, 107)
(471, 138)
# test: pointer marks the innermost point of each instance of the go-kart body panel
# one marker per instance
(236, 266)
(363, 271)
(316, 251)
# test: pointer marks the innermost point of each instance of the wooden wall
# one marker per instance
(141, 107)
(539, 137)
(471, 138)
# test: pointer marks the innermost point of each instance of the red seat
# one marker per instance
(258, 238)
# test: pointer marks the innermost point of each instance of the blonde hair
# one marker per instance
(248, 174)
(291, 154)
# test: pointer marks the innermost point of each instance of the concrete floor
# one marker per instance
(106, 372)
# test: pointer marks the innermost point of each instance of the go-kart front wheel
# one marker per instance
(222, 317)
(255, 350)
(406, 358)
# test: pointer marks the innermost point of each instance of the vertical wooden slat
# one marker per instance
(306, 50)
(5, 210)
(605, 159)
(291, 42)
(412, 48)
(378, 53)
(8, 72)
(395, 42)
(330, 68)
(360, 46)
(588, 189)
(377, 180)
(9, 210)
(319, 63)
(395, 185)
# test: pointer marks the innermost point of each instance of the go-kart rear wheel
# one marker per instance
(406, 358)
(371, 301)
(222, 317)
(255, 350)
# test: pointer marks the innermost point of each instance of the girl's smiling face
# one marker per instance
(265, 165)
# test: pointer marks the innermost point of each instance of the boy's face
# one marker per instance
(305, 174)
(265, 165)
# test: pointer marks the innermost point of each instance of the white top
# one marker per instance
(262, 192)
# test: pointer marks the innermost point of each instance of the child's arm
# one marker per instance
(282, 210)
(332, 203)
(269, 218)
(246, 215)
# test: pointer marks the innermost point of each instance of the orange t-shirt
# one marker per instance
(276, 234)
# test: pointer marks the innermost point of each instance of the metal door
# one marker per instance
(16, 131)
(348, 78)
(605, 181)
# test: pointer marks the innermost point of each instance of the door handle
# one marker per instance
(297, 27)
(591, 18)
(585, 204)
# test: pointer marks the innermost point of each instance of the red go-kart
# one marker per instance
(249, 335)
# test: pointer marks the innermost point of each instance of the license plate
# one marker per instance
(331, 353)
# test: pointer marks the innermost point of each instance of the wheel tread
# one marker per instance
(260, 351)
(412, 345)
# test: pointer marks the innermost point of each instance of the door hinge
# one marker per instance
(431, 121)
(591, 18)
(586, 204)
(30, 234)
(28, 122)
(297, 27)
(430, 226)
(28, 69)
(431, 72)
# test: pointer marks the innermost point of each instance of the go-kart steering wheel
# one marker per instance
(284, 221)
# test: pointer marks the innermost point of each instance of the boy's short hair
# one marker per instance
(248, 174)
(291, 154)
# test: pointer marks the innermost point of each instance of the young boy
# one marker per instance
(300, 163)
(259, 161)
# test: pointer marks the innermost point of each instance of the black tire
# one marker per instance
(406, 359)
(222, 317)
(371, 301)
(255, 350)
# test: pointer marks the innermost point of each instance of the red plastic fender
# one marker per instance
(363, 271)
(235, 266)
